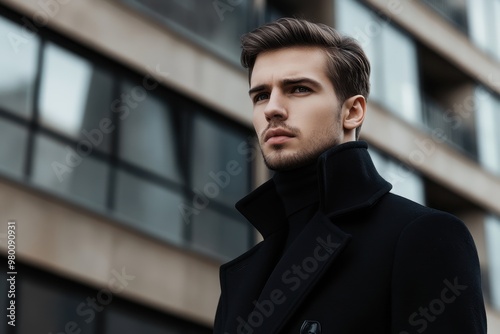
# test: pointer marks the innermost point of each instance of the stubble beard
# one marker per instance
(280, 160)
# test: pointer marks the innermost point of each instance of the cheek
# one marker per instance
(258, 124)
(317, 118)
(328, 113)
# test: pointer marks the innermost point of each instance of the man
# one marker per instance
(341, 254)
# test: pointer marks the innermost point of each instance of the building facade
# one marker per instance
(126, 139)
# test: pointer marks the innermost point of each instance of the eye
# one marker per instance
(260, 97)
(301, 89)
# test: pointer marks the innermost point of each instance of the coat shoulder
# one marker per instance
(407, 222)
(407, 212)
(394, 216)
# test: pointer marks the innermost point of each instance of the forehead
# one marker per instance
(290, 62)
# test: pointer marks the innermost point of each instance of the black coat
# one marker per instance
(369, 261)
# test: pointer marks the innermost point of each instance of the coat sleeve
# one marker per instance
(436, 280)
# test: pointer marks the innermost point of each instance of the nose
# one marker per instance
(275, 107)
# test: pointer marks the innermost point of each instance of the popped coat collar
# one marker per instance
(348, 181)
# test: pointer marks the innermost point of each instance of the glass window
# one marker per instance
(219, 23)
(454, 11)
(492, 232)
(18, 63)
(219, 235)
(496, 29)
(218, 169)
(393, 58)
(12, 154)
(401, 93)
(477, 23)
(488, 138)
(119, 322)
(75, 97)
(69, 171)
(149, 207)
(129, 318)
(45, 308)
(484, 24)
(148, 136)
(404, 182)
(355, 20)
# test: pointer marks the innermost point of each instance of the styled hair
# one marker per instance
(348, 67)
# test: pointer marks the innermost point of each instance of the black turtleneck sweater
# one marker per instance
(299, 192)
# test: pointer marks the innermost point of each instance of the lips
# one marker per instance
(278, 135)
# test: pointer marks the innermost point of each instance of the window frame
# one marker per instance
(120, 73)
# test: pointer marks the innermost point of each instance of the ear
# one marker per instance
(353, 112)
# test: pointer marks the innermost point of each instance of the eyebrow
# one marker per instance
(285, 83)
(257, 89)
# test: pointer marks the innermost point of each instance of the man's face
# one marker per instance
(296, 113)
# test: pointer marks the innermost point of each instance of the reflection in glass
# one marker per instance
(18, 59)
(219, 168)
(75, 96)
(147, 134)
(149, 207)
(13, 148)
(66, 170)
(219, 235)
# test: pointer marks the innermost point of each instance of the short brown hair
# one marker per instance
(347, 65)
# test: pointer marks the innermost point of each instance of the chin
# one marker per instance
(283, 161)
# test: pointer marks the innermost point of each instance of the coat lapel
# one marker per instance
(309, 256)
(242, 280)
